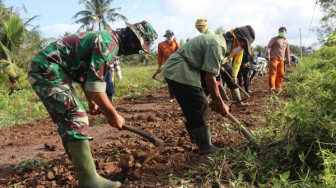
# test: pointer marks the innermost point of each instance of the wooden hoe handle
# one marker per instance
(151, 138)
(241, 89)
(245, 132)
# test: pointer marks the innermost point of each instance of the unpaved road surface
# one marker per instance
(152, 112)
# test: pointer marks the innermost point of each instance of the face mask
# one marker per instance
(282, 34)
(167, 39)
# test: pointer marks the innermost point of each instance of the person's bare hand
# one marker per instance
(93, 109)
(234, 80)
(245, 65)
(117, 121)
(175, 39)
(158, 69)
(221, 108)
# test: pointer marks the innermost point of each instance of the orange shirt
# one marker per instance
(165, 49)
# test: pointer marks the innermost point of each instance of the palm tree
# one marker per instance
(97, 13)
(17, 44)
(12, 32)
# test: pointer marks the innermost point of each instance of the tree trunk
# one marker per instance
(13, 79)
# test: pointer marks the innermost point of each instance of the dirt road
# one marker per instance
(151, 112)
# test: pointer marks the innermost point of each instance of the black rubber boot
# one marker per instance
(189, 130)
(203, 140)
(192, 139)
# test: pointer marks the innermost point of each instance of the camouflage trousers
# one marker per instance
(55, 88)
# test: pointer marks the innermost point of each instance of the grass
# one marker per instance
(20, 107)
(24, 105)
(26, 165)
(136, 80)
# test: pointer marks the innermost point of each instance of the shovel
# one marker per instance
(161, 81)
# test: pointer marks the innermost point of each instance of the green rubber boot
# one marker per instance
(236, 97)
(67, 151)
(85, 167)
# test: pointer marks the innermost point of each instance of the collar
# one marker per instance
(228, 48)
(115, 36)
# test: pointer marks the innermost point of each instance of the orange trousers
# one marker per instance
(276, 73)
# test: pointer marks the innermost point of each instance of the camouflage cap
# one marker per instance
(145, 33)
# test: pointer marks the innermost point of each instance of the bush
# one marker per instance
(297, 148)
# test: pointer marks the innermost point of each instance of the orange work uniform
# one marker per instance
(277, 52)
(165, 49)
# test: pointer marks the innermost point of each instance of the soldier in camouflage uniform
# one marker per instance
(84, 58)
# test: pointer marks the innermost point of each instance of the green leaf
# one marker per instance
(285, 176)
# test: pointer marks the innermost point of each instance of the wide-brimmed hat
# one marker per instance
(145, 33)
(246, 33)
(169, 32)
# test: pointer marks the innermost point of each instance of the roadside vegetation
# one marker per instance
(297, 147)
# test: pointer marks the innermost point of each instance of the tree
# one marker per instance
(17, 44)
(331, 39)
(12, 32)
(181, 42)
(294, 49)
(261, 48)
(97, 13)
(220, 30)
(328, 21)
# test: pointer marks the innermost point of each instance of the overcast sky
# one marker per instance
(265, 16)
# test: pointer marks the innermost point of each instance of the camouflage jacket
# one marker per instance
(85, 57)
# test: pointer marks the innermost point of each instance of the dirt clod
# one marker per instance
(48, 147)
(151, 118)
